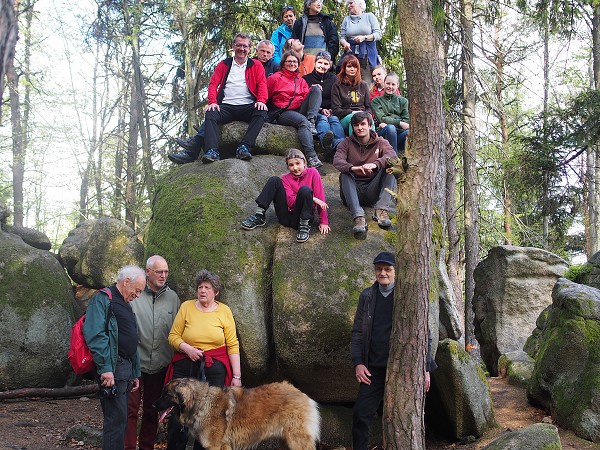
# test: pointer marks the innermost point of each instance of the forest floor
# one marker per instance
(42, 424)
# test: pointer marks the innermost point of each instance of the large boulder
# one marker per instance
(512, 286)
(293, 303)
(459, 385)
(96, 249)
(590, 273)
(37, 310)
(539, 436)
(566, 377)
(272, 139)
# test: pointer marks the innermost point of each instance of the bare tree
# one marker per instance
(8, 38)
(404, 396)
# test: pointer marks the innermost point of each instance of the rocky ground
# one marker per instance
(42, 424)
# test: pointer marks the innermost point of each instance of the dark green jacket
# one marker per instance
(103, 344)
(391, 109)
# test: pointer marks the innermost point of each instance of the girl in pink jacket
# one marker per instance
(294, 197)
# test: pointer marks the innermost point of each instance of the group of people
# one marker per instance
(141, 336)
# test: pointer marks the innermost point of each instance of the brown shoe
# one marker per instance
(382, 218)
(360, 228)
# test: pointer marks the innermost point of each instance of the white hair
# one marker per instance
(131, 272)
(153, 260)
(361, 3)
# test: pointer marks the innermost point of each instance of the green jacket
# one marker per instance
(103, 344)
(154, 316)
(391, 109)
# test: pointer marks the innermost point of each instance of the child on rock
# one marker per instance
(294, 196)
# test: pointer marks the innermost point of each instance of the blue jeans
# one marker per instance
(394, 136)
(332, 123)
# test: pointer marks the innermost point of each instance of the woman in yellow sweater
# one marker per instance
(205, 341)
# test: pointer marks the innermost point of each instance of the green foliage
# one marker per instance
(577, 272)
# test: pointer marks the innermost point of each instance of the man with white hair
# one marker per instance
(154, 310)
(264, 53)
(110, 333)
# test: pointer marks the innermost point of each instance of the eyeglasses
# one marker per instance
(242, 46)
(290, 61)
(323, 54)
(160, 272)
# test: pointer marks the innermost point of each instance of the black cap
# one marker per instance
(385, 258)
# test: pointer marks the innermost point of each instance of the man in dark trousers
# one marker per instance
(111, 334)
(371, 346)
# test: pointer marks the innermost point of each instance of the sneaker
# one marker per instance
(312, 127)
(303, 232)
(382, 218)
(314, 161)
(360, 228)
(211, 155)
(189, 144)
(243, 153)
(253, 221)
(184, 157)
(327, 142)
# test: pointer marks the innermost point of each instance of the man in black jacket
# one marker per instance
(371, 346)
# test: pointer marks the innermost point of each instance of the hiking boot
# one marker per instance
(211, 155)
(190, 143)
(253, 221)
(360, 228)
(382, 218)
(187, 156)
(314, 161)
(243, 153)
(327, 142)
(312, 127)
(303, 232)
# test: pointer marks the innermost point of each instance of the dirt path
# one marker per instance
(42, 424)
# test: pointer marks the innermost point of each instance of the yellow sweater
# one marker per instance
(204, 330)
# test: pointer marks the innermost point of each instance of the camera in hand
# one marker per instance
(107, 392)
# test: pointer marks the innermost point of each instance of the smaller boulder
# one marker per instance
(539, 436)
(518, 366)
(86, 435)
(32, 237)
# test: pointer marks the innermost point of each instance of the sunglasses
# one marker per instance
(287, 8)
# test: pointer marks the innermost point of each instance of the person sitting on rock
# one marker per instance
(264, 53)
(391, 112)
(362, 160)
(237, 91)
(294, 197)
(295, 104)
(307, 62)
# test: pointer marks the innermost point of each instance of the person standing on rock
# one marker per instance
(371, 345)
(110, 332)
(155, 311)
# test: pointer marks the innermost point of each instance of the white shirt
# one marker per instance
(236, 90)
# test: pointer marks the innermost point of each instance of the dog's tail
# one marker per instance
(313, 422)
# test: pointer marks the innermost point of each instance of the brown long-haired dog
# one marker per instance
(236, 418)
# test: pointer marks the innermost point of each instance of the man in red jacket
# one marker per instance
(237, 91)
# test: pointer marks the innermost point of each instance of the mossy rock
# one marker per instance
(517, 366)
(539, 436)
(37, 311)
(566, 378)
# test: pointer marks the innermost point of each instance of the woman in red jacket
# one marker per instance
(293, 103)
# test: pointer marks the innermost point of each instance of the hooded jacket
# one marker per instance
(278, 38)
(350, 152)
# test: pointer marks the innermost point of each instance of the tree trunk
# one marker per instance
(18, 168)
(470, 174)
(403, 426)
(9, 32)
(593, 171)
(69, 391)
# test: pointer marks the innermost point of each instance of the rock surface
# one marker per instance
(566, 378)
(32, 237)
(37, 311)
(512, 286)
(517, 366)
(96, 249)
(539, 436)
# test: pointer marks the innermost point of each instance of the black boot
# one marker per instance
(303, 232)
(194, 143)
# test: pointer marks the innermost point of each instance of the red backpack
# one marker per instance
(79, 354)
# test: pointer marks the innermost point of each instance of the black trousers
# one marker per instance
(228, 113)
(274, 192)
(177, 435)
(365, 408)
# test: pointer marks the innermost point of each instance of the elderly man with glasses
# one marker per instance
(237, 91)
(155, 310)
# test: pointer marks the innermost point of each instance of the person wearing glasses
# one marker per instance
(237, 90)
(295, 104)
(284, 32)
(329, 128)
(316, 30)
(155, 311)
(110, 333)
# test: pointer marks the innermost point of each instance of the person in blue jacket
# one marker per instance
(284, 32)
(110, 332)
